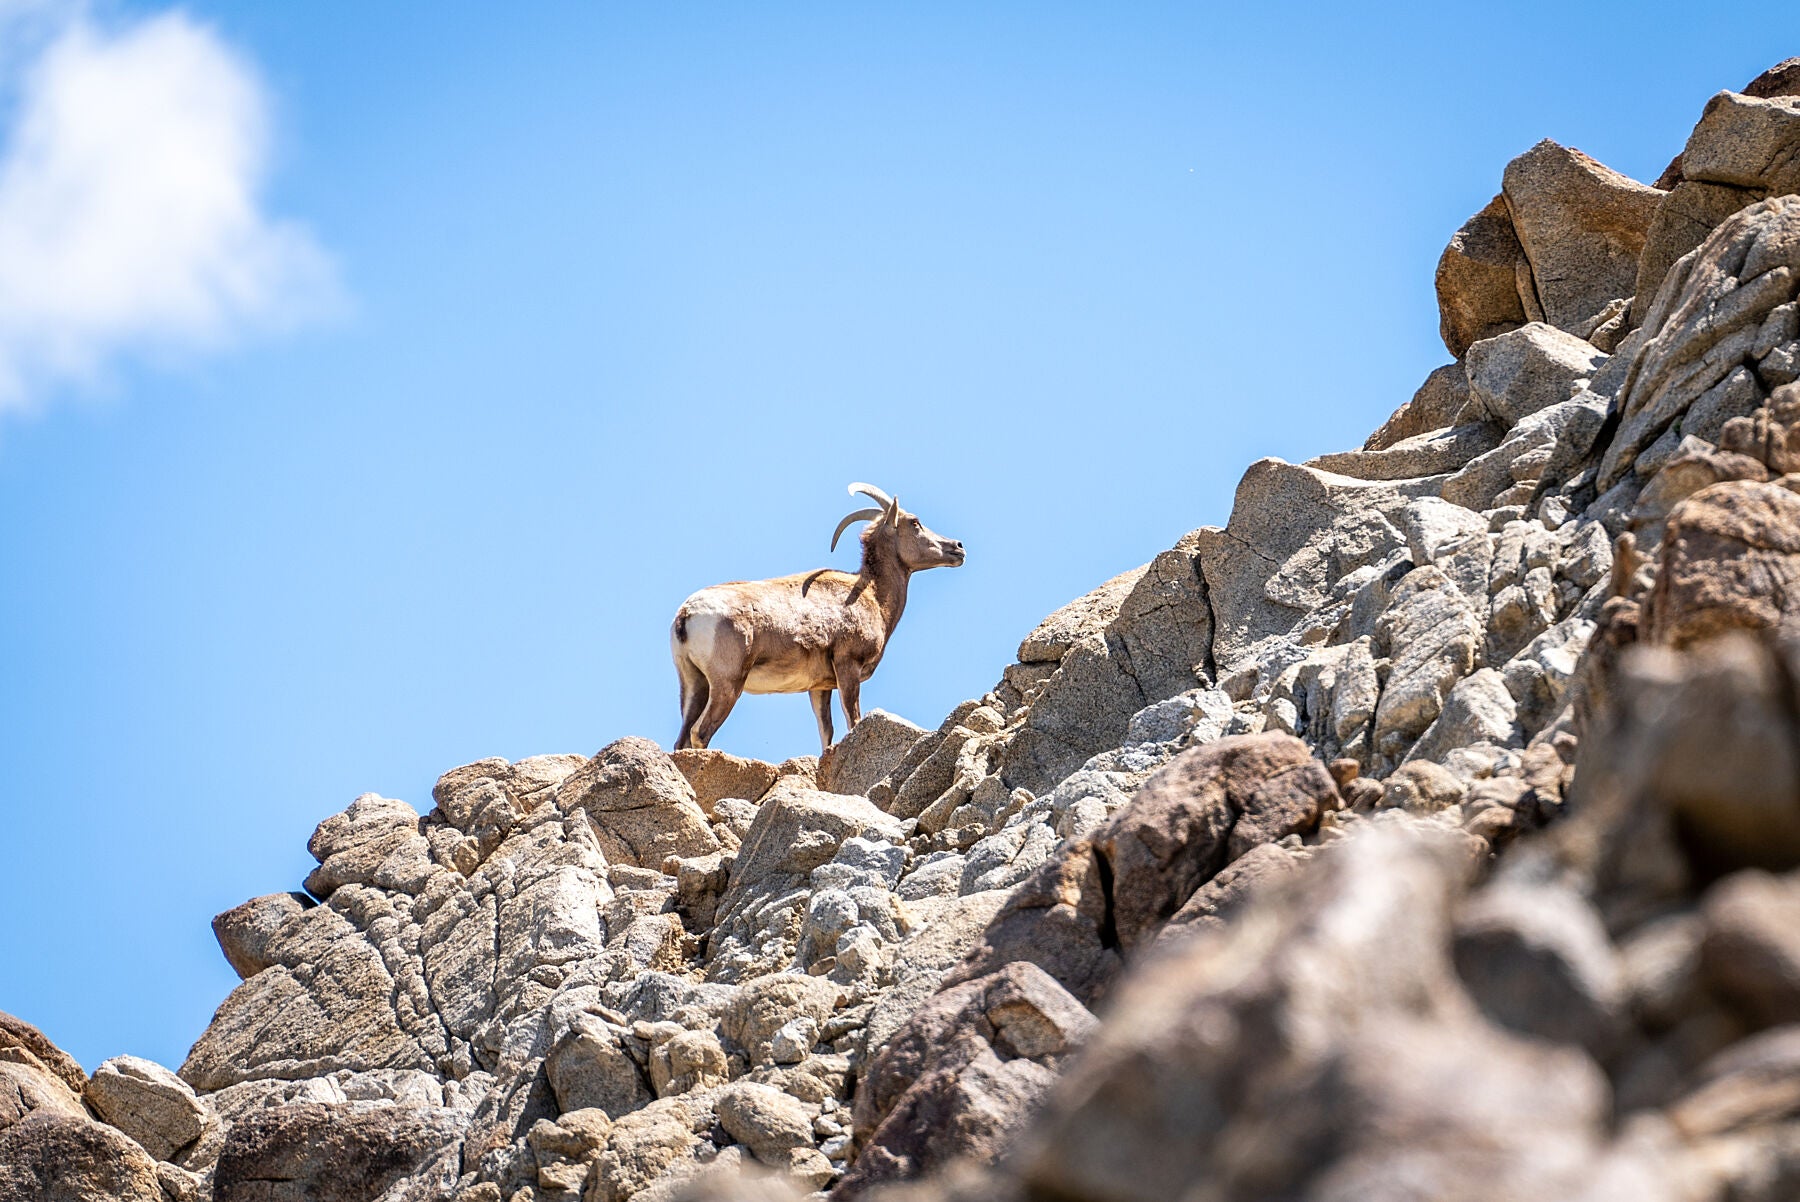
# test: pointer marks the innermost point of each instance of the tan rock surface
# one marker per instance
(1582, 227)
(1478, 279)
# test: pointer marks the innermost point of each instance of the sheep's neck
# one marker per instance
(887, 578)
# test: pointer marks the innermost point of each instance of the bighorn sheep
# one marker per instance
(808, 633)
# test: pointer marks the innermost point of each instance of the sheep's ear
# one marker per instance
(894, 513)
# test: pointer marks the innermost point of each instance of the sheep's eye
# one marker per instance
(913, 522)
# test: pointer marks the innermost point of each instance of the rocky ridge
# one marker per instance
(1430, 830)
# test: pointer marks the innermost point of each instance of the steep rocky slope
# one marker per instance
(1429, 831)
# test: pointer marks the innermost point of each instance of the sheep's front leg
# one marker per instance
(849, 683)
(821, 703)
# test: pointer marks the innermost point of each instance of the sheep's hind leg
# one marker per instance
(721, 697)
(725, 659)
(694, 693)
(821, 703)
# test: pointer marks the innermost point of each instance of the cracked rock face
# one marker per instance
(1431, 829)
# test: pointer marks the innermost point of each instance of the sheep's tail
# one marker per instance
(681, 626)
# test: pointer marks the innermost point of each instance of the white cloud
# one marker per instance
(131, 220)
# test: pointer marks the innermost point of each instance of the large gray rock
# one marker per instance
(309, 1152)
(1008, 856)
(1106, 783)
(764, 1119)
(641, 1147)
(459, 955)
(1198, 715)
(355, 845)
(1103, 897)
(589, 1068)
(1157, 645)
(660, 996)
(1445, 536)
(49, 1156)
(244, 932)
(963, 1075)
(1739, 394)
(1684, 218)
(1478, 709)
(642, 807)
(1164, 627)
(1533, 367)
(1746, 142)
(1582, 228)
(485, 801)
(149, 1103)
(1433, 637)
(1433, 407)
(22, 1043)
(1437, 452)
(870, 750)
(954, 927)
(795, 831)
(1708, 316)
(327, 1004)
(927, 767)
(1295, 532)
(1226, 798)
(959, 757)
(1088, 614)
(1551, 444)
(1741, 151)
(1334, 694)
(553, 919)
(763, 1007)
(28, 1087)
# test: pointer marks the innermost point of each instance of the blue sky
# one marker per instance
(556, 318)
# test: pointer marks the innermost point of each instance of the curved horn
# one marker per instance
(861, 515)
(873, 493)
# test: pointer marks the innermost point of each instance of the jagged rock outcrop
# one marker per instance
(1430, 829)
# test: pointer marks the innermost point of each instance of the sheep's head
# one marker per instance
(917, 546)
